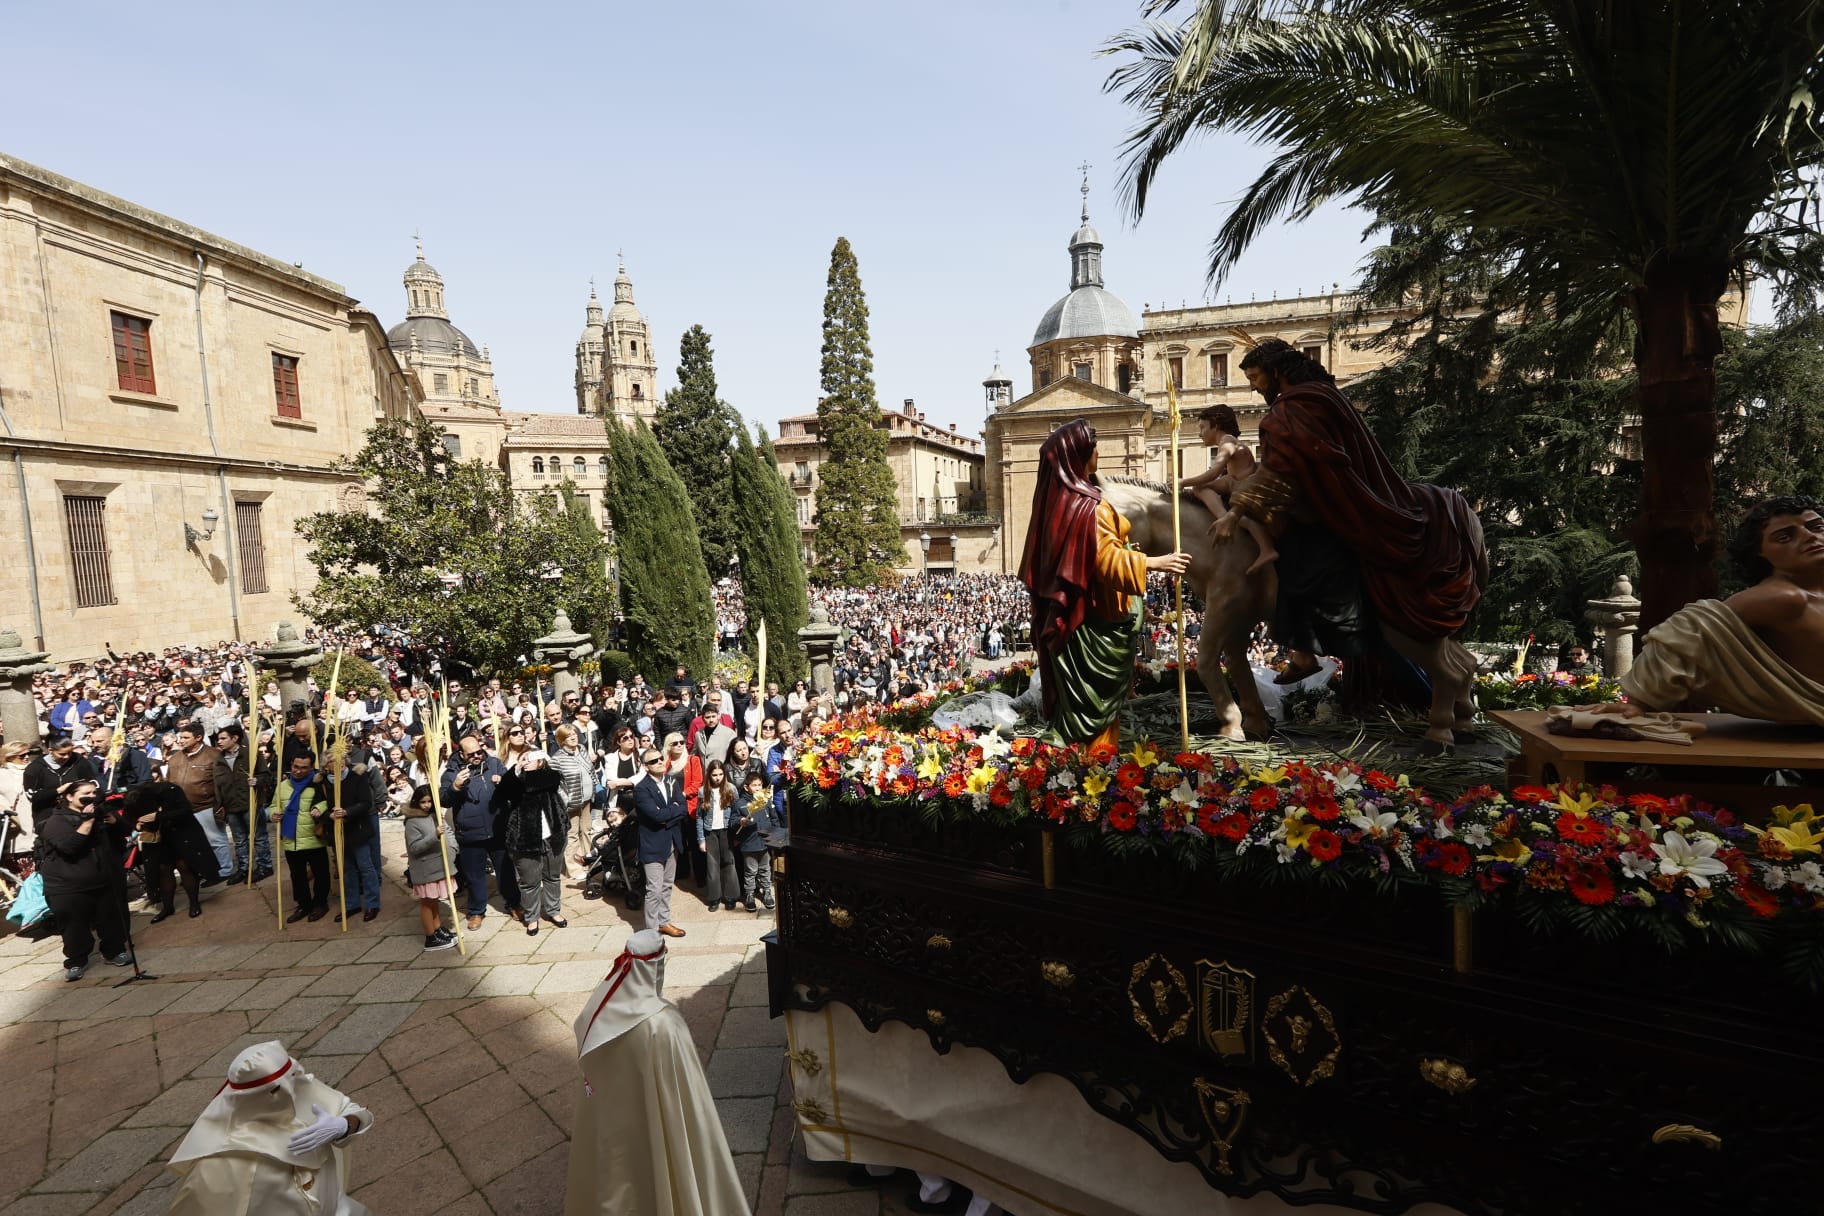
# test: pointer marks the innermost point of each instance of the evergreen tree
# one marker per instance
(772, 560)
(694, 428)
(665, 593)
(858, 538)
(445, 551)
(579, 549)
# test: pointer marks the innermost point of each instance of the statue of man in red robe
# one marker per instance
(1086, 583)
(1417, 548)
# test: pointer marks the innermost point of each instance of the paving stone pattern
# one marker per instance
(469, 1064)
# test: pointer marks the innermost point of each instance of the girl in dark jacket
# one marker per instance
(753, 819)
(79, 855)
(532, 830)
(172, 843)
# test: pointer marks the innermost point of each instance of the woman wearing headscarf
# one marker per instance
(1085, 584)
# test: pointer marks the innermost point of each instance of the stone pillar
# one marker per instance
(563, 648)
(818, 640)
(1617, 618)
(288, 660)
(17, 667)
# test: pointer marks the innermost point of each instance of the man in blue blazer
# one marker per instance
(658, 808)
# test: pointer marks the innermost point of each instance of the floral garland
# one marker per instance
(1534, 691)
(1592, 859)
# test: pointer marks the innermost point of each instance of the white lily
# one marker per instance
(1693, 858)
(1809, 876)
(1063, 779)
(1344, 782)
(1376, 823)
(1477, 836)
(1635, 866)
(993, 745)
(1183, 794)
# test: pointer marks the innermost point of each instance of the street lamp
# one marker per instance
(956, 564)
(924, 547)
(192, 537)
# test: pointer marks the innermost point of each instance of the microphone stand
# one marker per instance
(126, 920)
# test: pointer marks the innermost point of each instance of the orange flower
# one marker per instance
(1760, 901)
(1535, 793)
(1264, 799)
(1129, 775)
(1379, 780)
(1122, 817)
(1102, 753)
(1324, 845)
(956, 785)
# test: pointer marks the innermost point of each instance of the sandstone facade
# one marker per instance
(170, 403)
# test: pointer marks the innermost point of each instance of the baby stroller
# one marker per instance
(614, 860)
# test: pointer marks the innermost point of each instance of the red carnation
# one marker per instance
(1232, 827)
(1323, 808)
(1591, 885)
(1450, 857)
(1324, 845)
(1122, 817)
(1760, 901)
(1585, 830)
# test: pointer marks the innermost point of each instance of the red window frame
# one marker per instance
(285, 385)
(133, 353)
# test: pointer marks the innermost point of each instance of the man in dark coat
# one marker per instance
(659, 809)
(58, 766)
(360, 836)
(471, 781)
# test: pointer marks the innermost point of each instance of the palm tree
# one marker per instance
(1626, 154)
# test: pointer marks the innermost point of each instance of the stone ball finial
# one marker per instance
(286, 632)
(1624, 588)
(561, 624)
(820, 615)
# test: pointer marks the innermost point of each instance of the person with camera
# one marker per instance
(171, 843)
(471, 782)
(79, 855)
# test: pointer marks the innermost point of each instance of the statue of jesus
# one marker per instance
(1085, 583)
(1760, 653)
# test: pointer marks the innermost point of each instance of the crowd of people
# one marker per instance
(146, 761)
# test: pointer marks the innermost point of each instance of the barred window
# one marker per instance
(84, 518)
(252, 540)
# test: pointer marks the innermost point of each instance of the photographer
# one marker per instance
(471, 783)
(79, 854)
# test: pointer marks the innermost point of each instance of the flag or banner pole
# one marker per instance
(1176, 417)
(760, 676)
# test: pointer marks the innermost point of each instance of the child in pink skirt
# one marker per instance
(426, 868)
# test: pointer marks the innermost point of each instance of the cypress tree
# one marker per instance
(694, 428)
(772, 561)
(665, 595)
(857, 502)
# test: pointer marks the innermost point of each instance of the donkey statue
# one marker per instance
(1234, 601)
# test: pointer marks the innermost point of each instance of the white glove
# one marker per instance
(327, 1128)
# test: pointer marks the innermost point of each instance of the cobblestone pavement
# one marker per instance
(469, 1064)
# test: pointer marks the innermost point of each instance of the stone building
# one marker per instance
(938, 474)
(170, 403)
(617, 369)
(1090, 359)
(457, 375)
(542, 451)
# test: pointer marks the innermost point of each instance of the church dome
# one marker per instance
(435, 337)
(1088, 311)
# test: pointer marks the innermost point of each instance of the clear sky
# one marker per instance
(724, 146)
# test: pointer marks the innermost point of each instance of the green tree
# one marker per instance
(581, 552)
(695, 428)
(1626, 158)
(446, 551)
(1525, 417)
(772, 556)
(1770, 395)
(665, 597)
(857, 503)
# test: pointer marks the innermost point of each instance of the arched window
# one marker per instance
(636, 392)
(538, 466)
(580, 467)
(603, 464)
